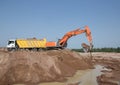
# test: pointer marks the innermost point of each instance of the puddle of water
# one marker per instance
(73, 79)
(90, 77)
(85, 77)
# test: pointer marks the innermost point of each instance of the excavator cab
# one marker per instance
(61, 45)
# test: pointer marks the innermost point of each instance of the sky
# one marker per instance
(51, 19)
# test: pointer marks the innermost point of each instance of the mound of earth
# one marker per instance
(31, 68)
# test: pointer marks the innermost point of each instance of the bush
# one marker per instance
(105, 49)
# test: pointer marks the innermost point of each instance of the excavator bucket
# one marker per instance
(85, 47)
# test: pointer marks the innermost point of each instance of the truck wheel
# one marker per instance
(9, 49)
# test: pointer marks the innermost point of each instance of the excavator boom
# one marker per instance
(62, 42)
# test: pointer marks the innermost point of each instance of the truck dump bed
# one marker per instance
(31, 43)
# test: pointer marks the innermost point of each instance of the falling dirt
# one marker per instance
(32, 68)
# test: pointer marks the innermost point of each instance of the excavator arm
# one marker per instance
(62, 42)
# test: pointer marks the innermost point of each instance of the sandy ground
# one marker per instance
(111, 61)
(32, 68)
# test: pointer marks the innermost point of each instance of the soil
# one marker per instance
(111, 61)
(32, 68)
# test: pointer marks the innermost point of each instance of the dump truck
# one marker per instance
(38, 44)
(30, 44)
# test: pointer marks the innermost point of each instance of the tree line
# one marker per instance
(105, 49)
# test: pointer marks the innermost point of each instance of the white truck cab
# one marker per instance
(11, 44)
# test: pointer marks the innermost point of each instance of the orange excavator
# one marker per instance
(63, 42)
(44, 44)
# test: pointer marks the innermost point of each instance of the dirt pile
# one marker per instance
(35, 67)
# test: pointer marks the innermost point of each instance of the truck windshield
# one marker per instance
(10, 42)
